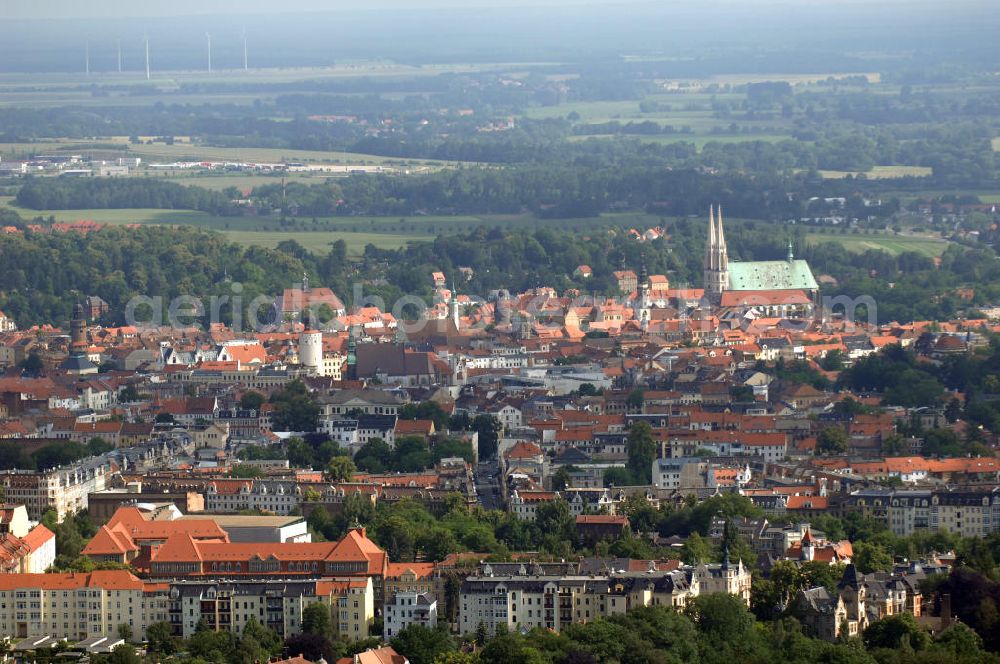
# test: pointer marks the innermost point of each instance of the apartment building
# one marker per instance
(406, 609)
(275, 496)
(531, 598)
(409, 578)
(78, 606)
(64, 489)
(274, 603)
(968, 513)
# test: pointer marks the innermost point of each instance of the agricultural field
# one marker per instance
(319, 242)
(316, 235)
(699, 140)
(121, 217)
(680, 110)
(186, 151)
(793, 79)
(161, 152)
(50, 90)
(893, 244)
(881, 172)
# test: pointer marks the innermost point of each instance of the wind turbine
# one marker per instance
(145, 38)
(208, 37)
(245, 61)
(119, 43)
(86, 57)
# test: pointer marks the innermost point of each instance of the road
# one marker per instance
(488, 484)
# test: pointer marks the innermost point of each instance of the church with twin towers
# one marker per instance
(774, 288)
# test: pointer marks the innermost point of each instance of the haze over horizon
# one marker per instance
(70, 9)
(53, 36)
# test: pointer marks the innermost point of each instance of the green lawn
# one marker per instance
(892, 244)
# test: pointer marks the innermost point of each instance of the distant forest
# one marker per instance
(45, 273)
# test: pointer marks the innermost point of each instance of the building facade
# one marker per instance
(64, 489)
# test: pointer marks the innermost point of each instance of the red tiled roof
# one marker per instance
(763, 298)
(107, 579)
(601, 519)
(807, 503)
(421, 570)
(523, 450)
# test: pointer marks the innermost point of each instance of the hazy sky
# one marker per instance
(43, 9)
(130, 8)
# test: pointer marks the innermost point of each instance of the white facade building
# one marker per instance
(409, 608)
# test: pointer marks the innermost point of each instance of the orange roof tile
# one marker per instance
(37, 536)
(107, 579)
(421, 570)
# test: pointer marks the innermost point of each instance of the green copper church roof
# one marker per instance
(771, 275)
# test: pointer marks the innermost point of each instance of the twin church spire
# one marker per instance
(716, 265)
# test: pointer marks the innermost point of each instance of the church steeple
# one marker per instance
(716, 264)
(352, 354)
(720, 237)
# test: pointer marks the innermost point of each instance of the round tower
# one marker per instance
(310, 342)
(311, 349)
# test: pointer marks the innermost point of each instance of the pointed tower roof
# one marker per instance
(720, 236)
(852, 578)
(710, 245)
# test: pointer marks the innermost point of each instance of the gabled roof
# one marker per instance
(107, 542)
(37, 536)
(179, 548)
(355, 546)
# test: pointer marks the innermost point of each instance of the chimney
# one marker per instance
(945, 610)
